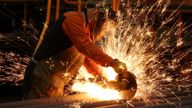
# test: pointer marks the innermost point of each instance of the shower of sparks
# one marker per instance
(142, 39)
(12, 67)
(96, 91)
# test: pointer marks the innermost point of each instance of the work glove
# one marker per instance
(122, 72)
(118, 66)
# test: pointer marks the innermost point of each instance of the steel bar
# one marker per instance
(83, 101)
(48, 17)
(156, 103)
(50, 101)
(100, 103)
(137, 103)
(171, 105)
(57, 10)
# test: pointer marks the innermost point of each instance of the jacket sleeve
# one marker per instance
(92, 67)
(74, 28)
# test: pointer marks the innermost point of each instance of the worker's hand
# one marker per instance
(123, 76)
(118, 66)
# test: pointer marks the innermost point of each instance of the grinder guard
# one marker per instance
(126, 84)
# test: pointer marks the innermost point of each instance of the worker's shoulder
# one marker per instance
(72, 15)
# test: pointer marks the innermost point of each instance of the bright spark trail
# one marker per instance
(142, 39)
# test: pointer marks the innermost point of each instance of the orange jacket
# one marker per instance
(75, 27)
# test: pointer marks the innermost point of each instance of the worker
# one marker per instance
(67, 46)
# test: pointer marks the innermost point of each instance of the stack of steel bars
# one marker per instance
(179, 99)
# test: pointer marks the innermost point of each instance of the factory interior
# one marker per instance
(153, 38)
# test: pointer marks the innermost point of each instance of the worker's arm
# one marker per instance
(74, 27)
(92, 67)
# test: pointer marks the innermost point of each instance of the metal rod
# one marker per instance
(67, 100)
(172, 105)
(156, 103)
(45, 25)
(57, 9)
(115, 5)
(100, 103)
(84, 101)
(79, 5)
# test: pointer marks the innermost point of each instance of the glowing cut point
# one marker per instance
(109, 73)
(96, 91)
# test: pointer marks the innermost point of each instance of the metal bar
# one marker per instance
(57, 9)
(137, 103)
(45, 25)
(156, 103)
(171, 105)
(87, 102)
(100, 103)
(115, 5)
(67, 100)
(79, 5)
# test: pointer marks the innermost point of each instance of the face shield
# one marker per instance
(97, 11)
(102, 18)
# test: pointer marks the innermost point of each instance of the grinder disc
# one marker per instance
(131, 86)
(126, 84)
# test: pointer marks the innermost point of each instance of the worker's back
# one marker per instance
(54, 41)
